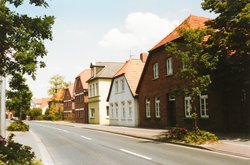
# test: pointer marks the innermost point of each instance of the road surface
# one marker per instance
(76, 146)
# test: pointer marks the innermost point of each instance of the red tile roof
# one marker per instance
(42, 102)
(84, 76)
(132, 70)
(70, 88)
(191, 22)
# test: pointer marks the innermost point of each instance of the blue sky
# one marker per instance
(104, 30)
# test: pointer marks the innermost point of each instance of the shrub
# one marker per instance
(14, 153)
(200, 137)
(35, 113)
(194, 137)
(18, 126)
(177, 133)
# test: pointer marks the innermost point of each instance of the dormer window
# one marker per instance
(93, 72)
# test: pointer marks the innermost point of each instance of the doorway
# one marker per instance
(171, 110)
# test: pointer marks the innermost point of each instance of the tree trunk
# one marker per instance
(20, 116)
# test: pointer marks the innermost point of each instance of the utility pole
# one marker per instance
(2, 107)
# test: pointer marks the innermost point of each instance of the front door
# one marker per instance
(171, 108)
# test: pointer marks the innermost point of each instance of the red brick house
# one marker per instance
(80, 92)
(68, 103)
(159, 108)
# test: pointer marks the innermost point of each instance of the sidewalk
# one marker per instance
(238, 146)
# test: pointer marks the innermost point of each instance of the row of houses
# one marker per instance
(138, 92)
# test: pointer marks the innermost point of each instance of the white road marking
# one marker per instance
(65, 131)
(86, 137)
(132, 153)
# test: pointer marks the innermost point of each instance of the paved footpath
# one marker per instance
(230, 144)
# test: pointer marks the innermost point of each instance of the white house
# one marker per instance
(123, 103)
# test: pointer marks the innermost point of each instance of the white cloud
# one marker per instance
(141, 32)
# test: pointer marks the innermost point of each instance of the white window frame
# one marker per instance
(187, 107)
(169, 66)
(123, 110)
(116, 86)
(122, 84)
(97, 89)
(90, 90)
(116, 110)
(130, 109)
(204, 106)
(93, 88)
(92, 113)
(148, 107)
(111, 111)
(156, 71)
(157, 107)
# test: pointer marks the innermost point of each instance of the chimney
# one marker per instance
(143, 57)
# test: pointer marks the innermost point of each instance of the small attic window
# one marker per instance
(93, 72)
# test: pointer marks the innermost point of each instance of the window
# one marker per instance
(90, 90)
(169, 66)
(184, 65)
(111, 110)
(204, 106)
(93, 89)
(122, 84)
(116, 110)
(92, 113)
(187, 107)
(156, 72)
(157, 107)
(93, 72)
(129, 109)
(148, 108)
(97, 89)
(116, 87)
(107, 110)
(123, 110)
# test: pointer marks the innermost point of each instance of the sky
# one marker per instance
(88, 31)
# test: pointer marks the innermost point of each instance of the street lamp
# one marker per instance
(2, 107)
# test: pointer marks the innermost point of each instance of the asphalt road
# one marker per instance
(75, 146)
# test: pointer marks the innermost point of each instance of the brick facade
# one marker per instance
(172, 112)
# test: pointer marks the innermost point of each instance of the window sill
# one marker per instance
(205, 117)
(155, 78)
(169, 75)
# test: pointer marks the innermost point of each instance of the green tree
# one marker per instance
(230, 42)
(22, 38)
(35, 113)
(19, 97)
(57, 83)
(197, 65)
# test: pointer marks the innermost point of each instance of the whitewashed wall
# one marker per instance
(125, 97)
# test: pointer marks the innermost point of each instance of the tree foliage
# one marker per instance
(197, 64)
(22, 38)
(19, 95)
(57, 83)
(230, 41)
